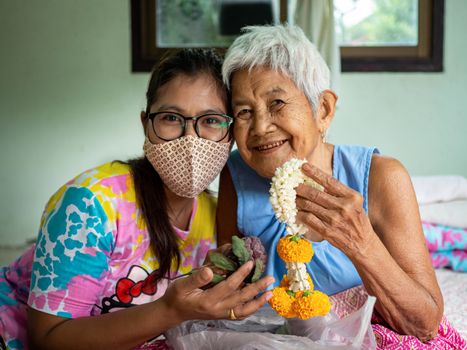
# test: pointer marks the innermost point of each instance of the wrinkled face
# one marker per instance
(273, 120)
(189, 96)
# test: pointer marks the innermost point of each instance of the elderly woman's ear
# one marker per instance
(326, 109)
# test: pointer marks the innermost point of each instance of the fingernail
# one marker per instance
(307, 167)
(268, 295)
(205, 274)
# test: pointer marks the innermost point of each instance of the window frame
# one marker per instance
(144, 29)
(425, 57)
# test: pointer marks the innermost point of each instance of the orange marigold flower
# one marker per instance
(293, 248)
(282, 302)
(311, 303)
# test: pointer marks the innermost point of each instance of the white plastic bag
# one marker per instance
(353, 330)
(265, 331)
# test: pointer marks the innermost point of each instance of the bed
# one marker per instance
(442, 202)
(454, 288)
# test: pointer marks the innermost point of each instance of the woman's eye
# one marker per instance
(277, 103)
(211, 121)
(170, 117)
(243, 114)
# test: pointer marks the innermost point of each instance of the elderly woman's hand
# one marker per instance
(336, 214)
(187, 301)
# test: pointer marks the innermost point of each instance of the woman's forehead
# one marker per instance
(261, 81)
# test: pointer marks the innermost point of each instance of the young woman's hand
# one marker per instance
(185, 300)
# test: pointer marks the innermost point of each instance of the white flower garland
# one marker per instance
(297, 276)
(282, 197)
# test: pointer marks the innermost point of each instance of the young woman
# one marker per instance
(113, 238)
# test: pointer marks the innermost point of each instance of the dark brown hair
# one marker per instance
(149, 187)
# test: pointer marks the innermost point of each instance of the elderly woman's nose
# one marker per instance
(262, 123)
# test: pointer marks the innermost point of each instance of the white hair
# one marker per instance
(283, 48)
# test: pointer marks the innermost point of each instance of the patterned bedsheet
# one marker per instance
(454, 288)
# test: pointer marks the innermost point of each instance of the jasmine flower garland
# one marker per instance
(295, 297)
(283, 195)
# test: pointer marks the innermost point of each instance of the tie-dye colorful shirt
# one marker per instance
(93, 254)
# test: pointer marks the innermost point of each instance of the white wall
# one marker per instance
(419, 118)
(68, 101)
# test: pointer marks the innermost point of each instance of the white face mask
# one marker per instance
(187, 165)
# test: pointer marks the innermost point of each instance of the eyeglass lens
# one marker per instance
(169, 126)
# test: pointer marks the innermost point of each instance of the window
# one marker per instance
(374, 35)
(162, 25)
(390, 35)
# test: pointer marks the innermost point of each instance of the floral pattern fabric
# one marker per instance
(93, 255)
(447, 246)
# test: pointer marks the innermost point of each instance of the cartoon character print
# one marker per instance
(139, 287)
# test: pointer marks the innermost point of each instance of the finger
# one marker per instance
(225, 248)
(246, 309)
(313, 222)
(196, 280)
(253, 289)
(324, 199)
(317, 210)
(234, 281)
(330, 184)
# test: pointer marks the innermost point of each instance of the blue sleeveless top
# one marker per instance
(330, 269)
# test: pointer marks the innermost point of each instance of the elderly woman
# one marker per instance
(365, 226)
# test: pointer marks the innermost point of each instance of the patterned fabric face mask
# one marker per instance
(187, 165)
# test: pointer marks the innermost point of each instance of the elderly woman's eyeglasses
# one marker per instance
(169, 126)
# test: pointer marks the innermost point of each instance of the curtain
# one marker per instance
(316, 18)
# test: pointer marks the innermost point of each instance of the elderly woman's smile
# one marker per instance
(273, 120)
(269, 147)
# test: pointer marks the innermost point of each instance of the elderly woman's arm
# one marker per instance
(409, 296)
(387, 247)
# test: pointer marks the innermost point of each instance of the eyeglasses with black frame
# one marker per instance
(169, 126)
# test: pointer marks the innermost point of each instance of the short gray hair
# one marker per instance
(283, 48)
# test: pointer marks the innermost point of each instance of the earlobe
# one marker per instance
(328, 101)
